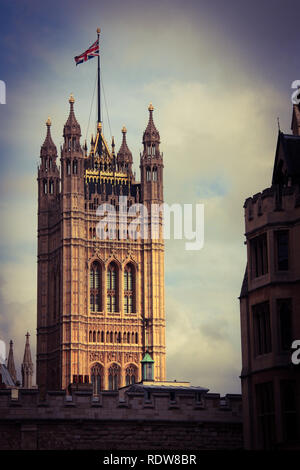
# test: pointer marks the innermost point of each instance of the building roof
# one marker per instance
(6, 377)
(164, 387)
(287, 159)
(147, 358)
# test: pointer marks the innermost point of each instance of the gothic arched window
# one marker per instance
(75, 167)
(113, 377)
(68, 166)
(95, 287)
(51, 187)
(154, 174)
(148, 173)
(97, 378)
(131, 374)
(112, 288)
(45, 186)
(153, 150)
(129, 289)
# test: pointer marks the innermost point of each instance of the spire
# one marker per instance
(124, 154)
(11, 363)
(72, 127)
(48, 146)
(151, 134)
(27, 365)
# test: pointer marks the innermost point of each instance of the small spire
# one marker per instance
(48, 142)
(151, 134)
(124, 154)
(27, 365)
(72, 127)
(11, 363)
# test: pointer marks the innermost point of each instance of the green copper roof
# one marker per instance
(147, 358)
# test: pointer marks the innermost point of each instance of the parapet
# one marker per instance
(135, 402)
(277, 203)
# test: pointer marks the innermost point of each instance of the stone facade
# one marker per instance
(270, 304)
(180, 420)
(89, 323)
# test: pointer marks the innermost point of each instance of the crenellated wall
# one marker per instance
(272, 205)
(118, 420)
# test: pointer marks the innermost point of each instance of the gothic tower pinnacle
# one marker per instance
(27, 365)
(124, 157)
(11, 363)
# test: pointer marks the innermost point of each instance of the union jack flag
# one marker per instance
(92, 51)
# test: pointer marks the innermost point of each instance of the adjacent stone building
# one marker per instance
(270, 303)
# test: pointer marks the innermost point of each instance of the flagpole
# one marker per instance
(99, 97)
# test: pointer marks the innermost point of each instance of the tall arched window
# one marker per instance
(113, 377)
(112, 288)
(131, 374)
(153, 150)
(129, 289)
(148, 173)
(97, 378)
(45, 186)
(51, 187)
(75, 167)
(154, 174)
(95, 287)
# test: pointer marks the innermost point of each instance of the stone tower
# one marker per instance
(100, 291)
(270, 304)
(27, 366)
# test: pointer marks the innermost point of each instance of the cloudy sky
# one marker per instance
(218, 78)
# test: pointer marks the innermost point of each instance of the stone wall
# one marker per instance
(116, 422)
